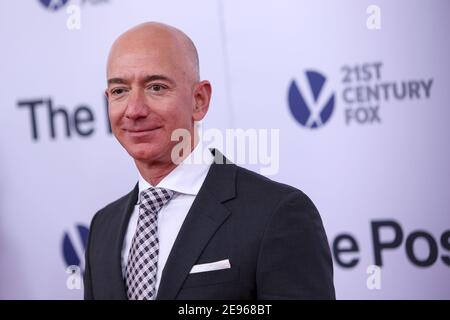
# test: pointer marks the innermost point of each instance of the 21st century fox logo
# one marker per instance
(312, 99)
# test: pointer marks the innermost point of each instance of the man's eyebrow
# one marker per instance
(148, 78)
(156, 77)
(116, 81)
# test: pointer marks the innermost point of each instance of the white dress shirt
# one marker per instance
(186, 180)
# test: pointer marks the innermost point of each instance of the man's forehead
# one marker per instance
(140, 64)
(134, 56)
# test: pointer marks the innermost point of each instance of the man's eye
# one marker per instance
(156, 87)
(117, 91)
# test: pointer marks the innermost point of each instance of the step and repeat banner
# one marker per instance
(352, 98)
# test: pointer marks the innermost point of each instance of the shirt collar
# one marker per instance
(188, 176)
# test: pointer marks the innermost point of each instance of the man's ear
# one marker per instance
(202, 96)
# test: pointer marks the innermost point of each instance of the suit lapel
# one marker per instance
(206, 215)
(117, 284)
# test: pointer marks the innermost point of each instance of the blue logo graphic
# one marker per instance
(314, 107)
(74, 246)
(53, 4)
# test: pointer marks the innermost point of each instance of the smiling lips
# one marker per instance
(140, 132)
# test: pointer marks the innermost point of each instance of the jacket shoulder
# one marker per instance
(263, 196)
(258, 183)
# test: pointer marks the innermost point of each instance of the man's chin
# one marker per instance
(145, 153)
(143, 156)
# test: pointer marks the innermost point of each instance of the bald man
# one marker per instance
(189, 230)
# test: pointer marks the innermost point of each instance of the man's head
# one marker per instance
(154, 89)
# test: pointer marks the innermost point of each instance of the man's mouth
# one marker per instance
(140, 132)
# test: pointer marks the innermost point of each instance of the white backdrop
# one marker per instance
(382, 161)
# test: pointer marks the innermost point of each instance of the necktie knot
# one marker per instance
(153, 199)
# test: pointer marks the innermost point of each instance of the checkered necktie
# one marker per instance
(143, 259)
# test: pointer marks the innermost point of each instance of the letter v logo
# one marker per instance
(313, 104)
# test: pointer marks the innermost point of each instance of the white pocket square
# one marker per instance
(212, 266)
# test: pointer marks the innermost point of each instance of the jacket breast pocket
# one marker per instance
(211, 277)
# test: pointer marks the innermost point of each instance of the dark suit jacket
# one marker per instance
(271, 233)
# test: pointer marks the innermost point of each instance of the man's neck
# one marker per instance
(155, 172)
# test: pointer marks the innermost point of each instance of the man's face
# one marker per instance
(150, 94)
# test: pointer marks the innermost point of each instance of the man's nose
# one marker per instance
(137, 106)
